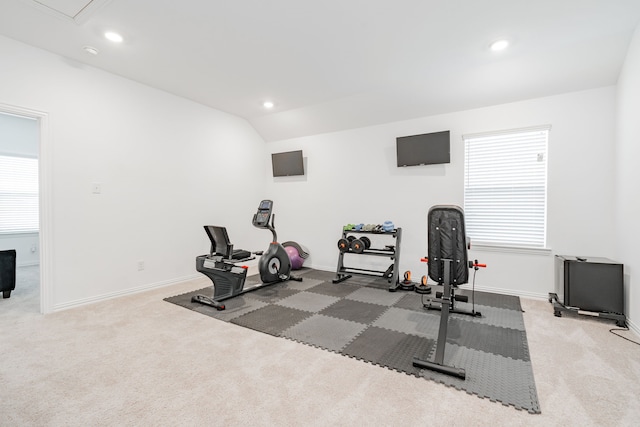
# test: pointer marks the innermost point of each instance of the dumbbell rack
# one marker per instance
(343, 273)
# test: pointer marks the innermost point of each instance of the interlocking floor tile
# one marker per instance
(308, 301)
(334, 289)
(271, 294)
(234, 307)
(489, 376)
(375, 296)
(508, 302)
(411, 301)
(325, 332)
(424, 324)
(306, 283)
(324, 276)
(356, 311)
(398, 352)
(271, 319)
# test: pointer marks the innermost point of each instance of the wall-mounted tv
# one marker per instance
(287, 164)
(426, 149)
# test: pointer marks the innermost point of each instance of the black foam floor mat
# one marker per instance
(363, 320)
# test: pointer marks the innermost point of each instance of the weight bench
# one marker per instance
(448, 266)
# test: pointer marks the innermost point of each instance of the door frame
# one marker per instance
(45, 234)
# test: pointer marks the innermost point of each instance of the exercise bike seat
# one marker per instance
(240, 255)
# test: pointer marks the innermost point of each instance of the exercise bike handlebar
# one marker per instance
(272, 227)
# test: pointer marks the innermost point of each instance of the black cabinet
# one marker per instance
(7, 272)
(589, 285)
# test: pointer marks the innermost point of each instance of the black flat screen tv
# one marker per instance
(426, 149)
(287, 164)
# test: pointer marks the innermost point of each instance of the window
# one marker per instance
(18, 195)
(505, 188)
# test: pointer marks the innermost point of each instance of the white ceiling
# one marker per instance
(337, 64)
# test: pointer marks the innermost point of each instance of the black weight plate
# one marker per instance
(407, 286)
(357, 246)
(423, 289)
(366, 241)
(343, 245)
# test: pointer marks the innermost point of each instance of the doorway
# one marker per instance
(32, 240)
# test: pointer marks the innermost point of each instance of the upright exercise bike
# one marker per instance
(221, 264)
(274, 264)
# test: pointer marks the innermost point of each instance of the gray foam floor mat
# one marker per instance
(361, 319)
(271, 319)
(325, 332)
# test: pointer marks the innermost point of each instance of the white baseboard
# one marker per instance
(517, 293)
(77, 303)
(514, 292)
(27, 264)
(321, 267)
(124, 292)
(633, 327)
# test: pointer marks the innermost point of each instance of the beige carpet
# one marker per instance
(138, 360)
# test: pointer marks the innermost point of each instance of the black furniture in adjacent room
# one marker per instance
(592, 286)
(7, 272)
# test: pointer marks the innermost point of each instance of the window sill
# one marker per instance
(17, 233)
(511, 249)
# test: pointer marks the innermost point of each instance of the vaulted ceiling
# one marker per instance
(337, 64)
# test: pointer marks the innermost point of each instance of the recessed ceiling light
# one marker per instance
(499, 45)
(114, 37)
(91, 50)
(268, 104)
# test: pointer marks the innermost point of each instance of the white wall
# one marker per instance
(19, 137)
(627, 206)
(352, 177)
(26, 246)
(166, 165)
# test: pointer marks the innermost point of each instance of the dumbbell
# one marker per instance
(407, 277)
(360, 244)
(407, 284)
(345, 244)
(423, 288)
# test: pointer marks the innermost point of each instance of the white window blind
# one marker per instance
(18, 195)
(505, 188)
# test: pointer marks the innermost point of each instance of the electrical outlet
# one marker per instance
(140, 265)
(96, 188)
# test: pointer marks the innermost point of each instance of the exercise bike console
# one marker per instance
(262, 217)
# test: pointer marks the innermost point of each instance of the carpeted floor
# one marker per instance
(361, 319)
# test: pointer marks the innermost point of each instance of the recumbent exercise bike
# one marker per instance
(228, 278)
